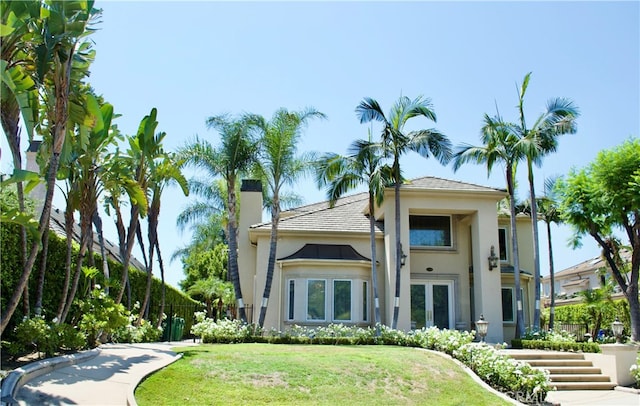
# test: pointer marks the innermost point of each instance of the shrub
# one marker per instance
(101, 317)
(635, 371)
(35, 334)
(556, 346)
(504, 373)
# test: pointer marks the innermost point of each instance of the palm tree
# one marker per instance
(395, 142)
(538, 141)
(549, 212)
(60, 50)
(235, 155)
(279, 166)
(163, 173)
(500, 145)
(363, 166)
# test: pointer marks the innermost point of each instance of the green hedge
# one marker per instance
(11, 269)
(554, 345)
(578, 314)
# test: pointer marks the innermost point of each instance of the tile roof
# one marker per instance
(348, 212)
(590, 265)
(346, 215)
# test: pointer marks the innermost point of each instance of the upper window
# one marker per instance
(430, 231)
(503, 244)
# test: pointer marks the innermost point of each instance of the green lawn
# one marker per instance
(311, 374)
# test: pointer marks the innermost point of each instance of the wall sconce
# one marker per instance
(493, 259)
(403, 257)
(483, 327)
(617, 328)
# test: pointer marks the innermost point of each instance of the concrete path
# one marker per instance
(107, 379)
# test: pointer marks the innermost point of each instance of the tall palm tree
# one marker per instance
(280, 165)
(163, 173)
(362, 166)
(549, 212)
(537, 141)
(235, 154)
(500, 145)
(60, 47)
(395, 142)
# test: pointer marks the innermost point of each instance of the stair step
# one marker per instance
(545, 355)
(559, 363)
(583, 385)
(566, 370)
(579, 378)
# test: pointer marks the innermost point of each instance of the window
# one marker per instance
(316, 298)
(507, 305)
(430, 231)
(503, 244)
(365, 305)
(341, 300)
(292, 296)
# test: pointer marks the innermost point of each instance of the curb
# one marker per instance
(20, 376)
(131, 399)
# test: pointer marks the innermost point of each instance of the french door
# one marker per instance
(432, 304)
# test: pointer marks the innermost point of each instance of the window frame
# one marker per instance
(326, 293)
(506, 245)
(333, 299)
(511, 289)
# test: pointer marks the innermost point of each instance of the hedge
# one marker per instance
(11, 269)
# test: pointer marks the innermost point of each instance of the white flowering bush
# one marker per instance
(441, 340)
(221, 331)
(503, 372)
(635, 371)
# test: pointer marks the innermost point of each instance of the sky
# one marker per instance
(192, 60)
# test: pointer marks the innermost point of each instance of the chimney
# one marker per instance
(250, 214)
(37, 193)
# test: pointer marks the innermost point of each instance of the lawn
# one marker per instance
(311, 374)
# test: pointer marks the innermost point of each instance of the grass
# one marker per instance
(313, 374)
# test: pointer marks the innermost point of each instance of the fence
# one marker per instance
(178, 315)
(578, 330)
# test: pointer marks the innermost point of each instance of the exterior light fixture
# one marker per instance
(493, 259)
(617, 328)
(482, 327)
(403, 257)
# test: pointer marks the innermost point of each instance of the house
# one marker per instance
(589, 274)
(449, 230)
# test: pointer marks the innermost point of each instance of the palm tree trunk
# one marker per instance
(396, 299)
(374, 270)
(133, 224)
(233, 247)
(516, 257)
(42, 272)
(273, 246)
(163, 295)
(536, 248)
(68, 227)
(552, 290)
(97, 222)
(85, 235)
(152, 223)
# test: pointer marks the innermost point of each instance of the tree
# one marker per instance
(500, 145)
(64, 29)
(537, 141)
(395, 142)
(340, 174)
(548, 211)
(605, 196)
(236, 153)
(163, 173)
(280, 165)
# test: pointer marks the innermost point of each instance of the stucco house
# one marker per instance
(323, 266)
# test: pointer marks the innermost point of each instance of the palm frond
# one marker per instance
(369, 110)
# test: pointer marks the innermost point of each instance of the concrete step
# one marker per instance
(566, 370)
(579, 378)
(559, 363)
(583, 385)
(540, 355)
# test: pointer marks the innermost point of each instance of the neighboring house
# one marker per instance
(323, 266)
(589, 274)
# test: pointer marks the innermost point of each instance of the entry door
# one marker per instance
(432, 304)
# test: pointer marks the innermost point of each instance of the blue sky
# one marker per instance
(192, 60)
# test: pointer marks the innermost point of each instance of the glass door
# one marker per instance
(432, 304)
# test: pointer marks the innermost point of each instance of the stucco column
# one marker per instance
(486, 283)
(250, 213)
